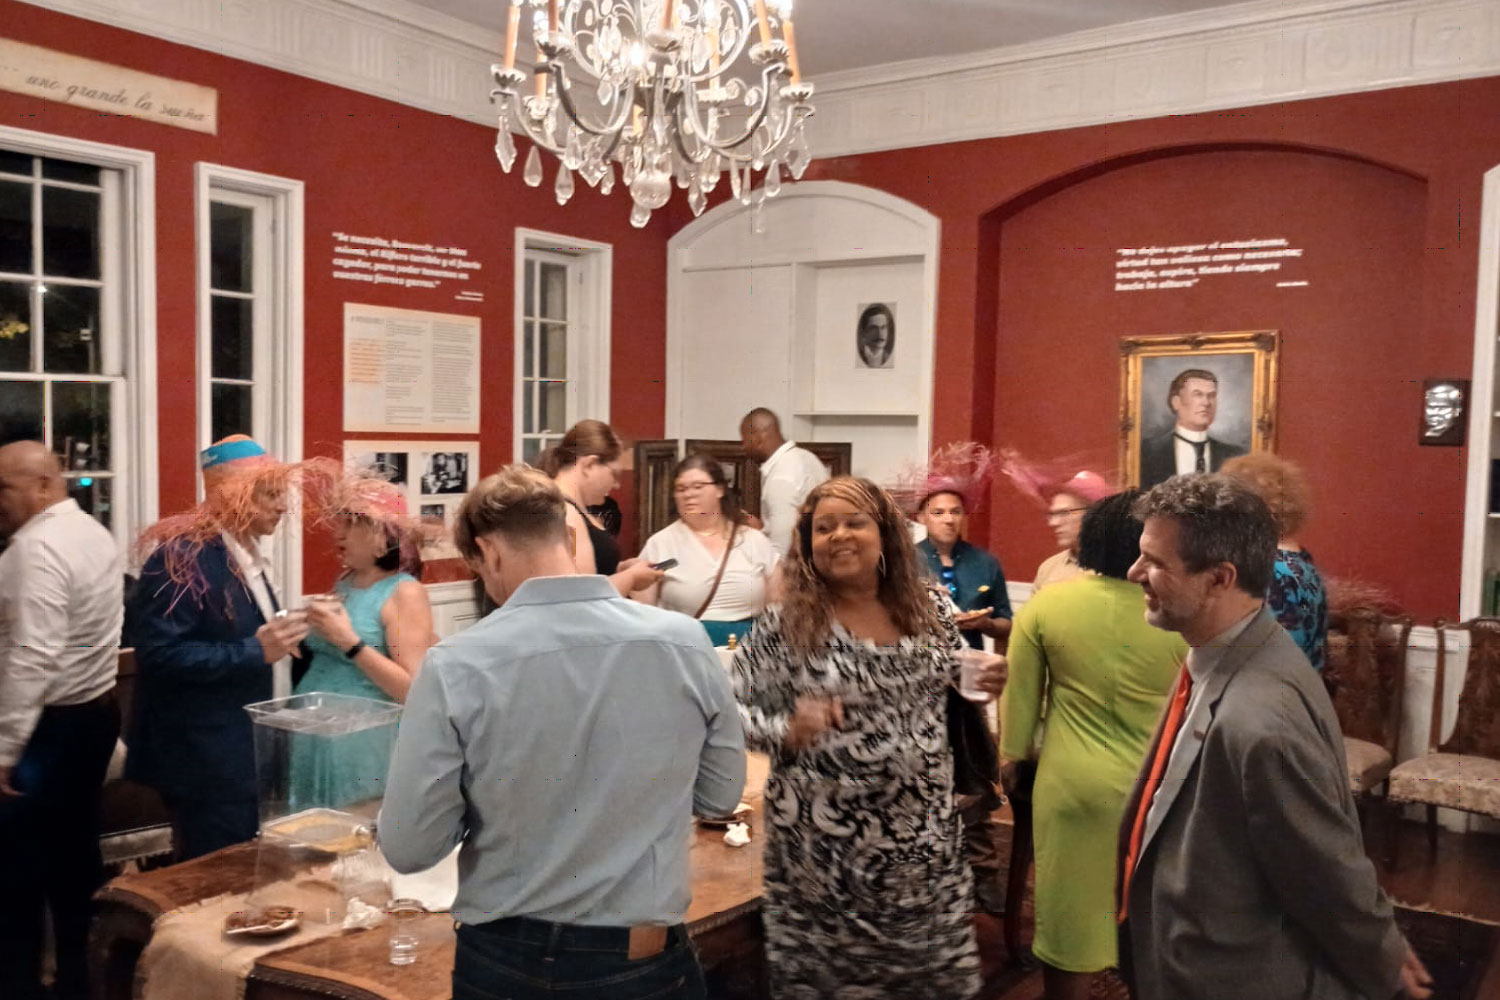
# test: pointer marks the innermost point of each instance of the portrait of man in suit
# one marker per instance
(1188, 445)
(875, 336)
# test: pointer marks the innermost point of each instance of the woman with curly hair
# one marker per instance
(844, 684)
(1296, 595)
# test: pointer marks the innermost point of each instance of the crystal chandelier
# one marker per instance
(649, 84)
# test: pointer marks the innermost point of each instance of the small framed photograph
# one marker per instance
(392, 465)
(875, 336)
(446, 473)
(1445, 411)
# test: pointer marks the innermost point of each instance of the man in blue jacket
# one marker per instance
(209, 630)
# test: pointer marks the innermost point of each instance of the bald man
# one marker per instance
(60, 608)
(787, 474)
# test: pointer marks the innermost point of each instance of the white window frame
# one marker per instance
(134, 430)
(589, 300)
(276, 410)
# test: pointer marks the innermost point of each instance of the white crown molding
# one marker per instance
(1254, 53)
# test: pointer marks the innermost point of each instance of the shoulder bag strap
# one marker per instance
(723, 564)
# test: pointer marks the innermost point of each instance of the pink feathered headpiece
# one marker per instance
(963, 468)
(365, 493)
(1043, 482)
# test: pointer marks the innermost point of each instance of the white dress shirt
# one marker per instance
(255, 569)
(61, 606)
(1202, 662)
(786, 478)
(1186, 455)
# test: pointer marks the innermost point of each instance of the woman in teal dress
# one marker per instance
(367, 639)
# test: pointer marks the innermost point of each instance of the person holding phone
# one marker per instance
(715, 566)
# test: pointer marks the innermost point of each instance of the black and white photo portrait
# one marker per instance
(434, 513)
(390, 466)
(447, 472)
(875, 335)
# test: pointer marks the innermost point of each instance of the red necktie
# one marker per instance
(1176, 711)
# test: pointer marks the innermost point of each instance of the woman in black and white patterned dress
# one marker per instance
(844, 685)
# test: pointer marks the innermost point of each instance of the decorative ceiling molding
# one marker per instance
(1254, 53)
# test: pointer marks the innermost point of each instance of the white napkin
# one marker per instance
(738, 834)
(434, 888)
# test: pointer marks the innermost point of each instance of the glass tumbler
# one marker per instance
(405, 915)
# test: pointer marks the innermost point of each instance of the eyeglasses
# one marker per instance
(682, 488)
(1053, 515)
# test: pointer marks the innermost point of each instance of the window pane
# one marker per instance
(554, 350)
(529, 293)
(20, 411)
(234, 337)
(528, 408)
(70, 233)
(231, 411)
(15, 163)
(230, 235)
(95, 495)
(70, 326)
(15, 326)
(528, 350)
(62, 170)
(554, 406)
(530, 449)
(80, 426)
(554, 291)
(15, 227)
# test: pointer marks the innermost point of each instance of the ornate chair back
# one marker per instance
(1476, 731)
(1367, 674)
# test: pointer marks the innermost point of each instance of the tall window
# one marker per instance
(239, 314)
(562, 338)
(547, 394)
(62, 370)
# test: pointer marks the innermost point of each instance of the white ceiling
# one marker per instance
(838, 35)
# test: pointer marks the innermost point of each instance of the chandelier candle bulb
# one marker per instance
(667, 10)
(763, 22)
(551, 15)
(790, 34)
(512, 28)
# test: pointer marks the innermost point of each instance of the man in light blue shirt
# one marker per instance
(565, 742)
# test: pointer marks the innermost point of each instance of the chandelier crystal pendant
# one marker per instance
(661, 97)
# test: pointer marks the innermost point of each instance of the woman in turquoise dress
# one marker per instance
(367, 639)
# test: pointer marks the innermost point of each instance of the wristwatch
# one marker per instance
(353, 650)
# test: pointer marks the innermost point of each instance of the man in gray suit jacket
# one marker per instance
(1243, 875)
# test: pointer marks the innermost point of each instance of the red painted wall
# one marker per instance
(371, 167)
(1383, 189)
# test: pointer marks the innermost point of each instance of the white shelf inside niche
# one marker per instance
(847, 414)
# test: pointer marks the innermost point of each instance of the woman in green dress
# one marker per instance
(367, 639)
(1104, 674)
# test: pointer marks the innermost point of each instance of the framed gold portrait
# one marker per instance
(1191, 402)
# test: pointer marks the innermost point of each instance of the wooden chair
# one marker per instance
(1366, 676)
(1464, 772)
(135, 825)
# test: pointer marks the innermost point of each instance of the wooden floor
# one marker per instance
(1462, 878)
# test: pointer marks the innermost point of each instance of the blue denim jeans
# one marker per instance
(523, 959)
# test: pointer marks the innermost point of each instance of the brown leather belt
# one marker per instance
(638, 942)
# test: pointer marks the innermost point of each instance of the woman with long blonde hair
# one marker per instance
(845, 684)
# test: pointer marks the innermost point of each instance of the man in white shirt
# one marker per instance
(60, 609)
(787, 474)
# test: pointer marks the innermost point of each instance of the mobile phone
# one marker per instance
(664, 565)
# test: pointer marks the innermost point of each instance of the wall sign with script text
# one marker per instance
(57, 76)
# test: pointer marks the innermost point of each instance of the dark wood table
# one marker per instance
(724, 921)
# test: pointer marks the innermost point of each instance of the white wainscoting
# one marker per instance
(454, 607)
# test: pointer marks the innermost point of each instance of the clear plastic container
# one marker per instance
(321, 762)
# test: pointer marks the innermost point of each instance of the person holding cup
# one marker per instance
(212, 635)
(1086, 653)
(844, 685)
(368, 636)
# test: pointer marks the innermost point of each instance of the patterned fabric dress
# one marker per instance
(1299, 602)
(867, 896)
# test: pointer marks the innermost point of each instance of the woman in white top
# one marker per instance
(725, 572)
